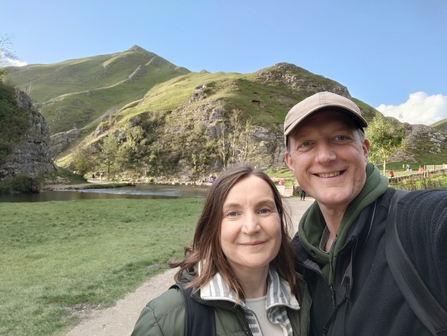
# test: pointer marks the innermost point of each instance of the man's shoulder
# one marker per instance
(423, 212)
(425, 197)
(414, 196)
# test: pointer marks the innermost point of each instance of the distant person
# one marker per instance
(391, 173)
(101, 176)
(93, 176)
(240, 263)
(340, 243)
(303, 195)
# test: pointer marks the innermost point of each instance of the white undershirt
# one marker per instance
(258, 306)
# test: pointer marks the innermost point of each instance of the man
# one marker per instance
(339, 246)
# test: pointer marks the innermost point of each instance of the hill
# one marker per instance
(75, 93)
(440, 126)
(155, 119)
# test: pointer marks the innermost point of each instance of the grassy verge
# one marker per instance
(59, 257)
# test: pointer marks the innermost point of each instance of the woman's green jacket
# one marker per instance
(165, 315)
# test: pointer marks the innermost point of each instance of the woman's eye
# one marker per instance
(264, 211)
(232, 214)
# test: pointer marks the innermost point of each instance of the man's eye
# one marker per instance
(341, 137)
(305, 144)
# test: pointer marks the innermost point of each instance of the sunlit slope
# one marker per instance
(265, 101)
(76, 92)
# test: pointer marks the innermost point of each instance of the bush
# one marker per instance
(19, 184)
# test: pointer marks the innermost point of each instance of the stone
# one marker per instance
(31, 156)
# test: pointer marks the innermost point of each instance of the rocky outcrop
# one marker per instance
(420, 138)
(31, 156)
(299, 80)
(59, 141)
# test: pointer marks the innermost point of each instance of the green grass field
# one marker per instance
(59, 256)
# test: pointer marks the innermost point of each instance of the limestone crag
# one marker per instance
(296, 79)
(31, 156)
(423, 138)
(61, 140)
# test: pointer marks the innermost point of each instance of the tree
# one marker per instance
(132, 147)
(108, 154)
(6, 47)
(235, 144)
(386, 138)
(5, 52)
(82, 160)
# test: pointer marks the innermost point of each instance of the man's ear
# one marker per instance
(365, 147)
(289, 161)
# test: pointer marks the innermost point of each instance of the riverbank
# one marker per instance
(90, 185)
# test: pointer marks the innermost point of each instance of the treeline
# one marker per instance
(144, 147)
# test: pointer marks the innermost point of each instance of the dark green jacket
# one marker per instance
(368, 302)
(165, 315)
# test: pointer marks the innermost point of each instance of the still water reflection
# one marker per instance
(138, 192)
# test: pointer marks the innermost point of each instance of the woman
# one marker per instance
(240, 263)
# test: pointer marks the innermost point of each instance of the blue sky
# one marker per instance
(390, 54)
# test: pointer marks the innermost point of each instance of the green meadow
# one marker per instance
(60, 257)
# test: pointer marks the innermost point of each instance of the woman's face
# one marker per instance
(251, 226)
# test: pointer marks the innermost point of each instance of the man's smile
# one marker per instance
(331, 174)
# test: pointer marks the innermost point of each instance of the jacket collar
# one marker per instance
(278, 292)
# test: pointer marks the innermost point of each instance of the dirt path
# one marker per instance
(120, 319)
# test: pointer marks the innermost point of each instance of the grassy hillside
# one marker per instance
(180, 115)
(75, 93)
(265, 103)
(177, 115)
(440, 126)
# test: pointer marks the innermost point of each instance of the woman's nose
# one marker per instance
(251, 224)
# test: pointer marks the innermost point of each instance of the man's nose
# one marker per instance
(325, 153)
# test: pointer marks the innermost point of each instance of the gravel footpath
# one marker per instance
(120, 319)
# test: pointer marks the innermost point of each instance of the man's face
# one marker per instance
(328, 157)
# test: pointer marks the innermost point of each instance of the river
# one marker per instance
(138, 191)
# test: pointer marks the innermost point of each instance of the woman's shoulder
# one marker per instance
(167, 301)
(164, 315)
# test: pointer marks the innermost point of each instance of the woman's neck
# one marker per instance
(254, 283)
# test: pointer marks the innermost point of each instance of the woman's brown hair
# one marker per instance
(206, 248)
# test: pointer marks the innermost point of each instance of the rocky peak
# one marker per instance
(297, 80)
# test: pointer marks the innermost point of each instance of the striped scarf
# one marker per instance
(278, 299)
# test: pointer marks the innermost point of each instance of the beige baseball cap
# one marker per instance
(320, 101)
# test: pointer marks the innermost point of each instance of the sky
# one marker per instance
(391, 55)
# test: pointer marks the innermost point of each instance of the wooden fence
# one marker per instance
(428, 171)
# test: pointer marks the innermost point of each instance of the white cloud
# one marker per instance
(420, 108)
(5, 61)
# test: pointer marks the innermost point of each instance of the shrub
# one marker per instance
(19, 184)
